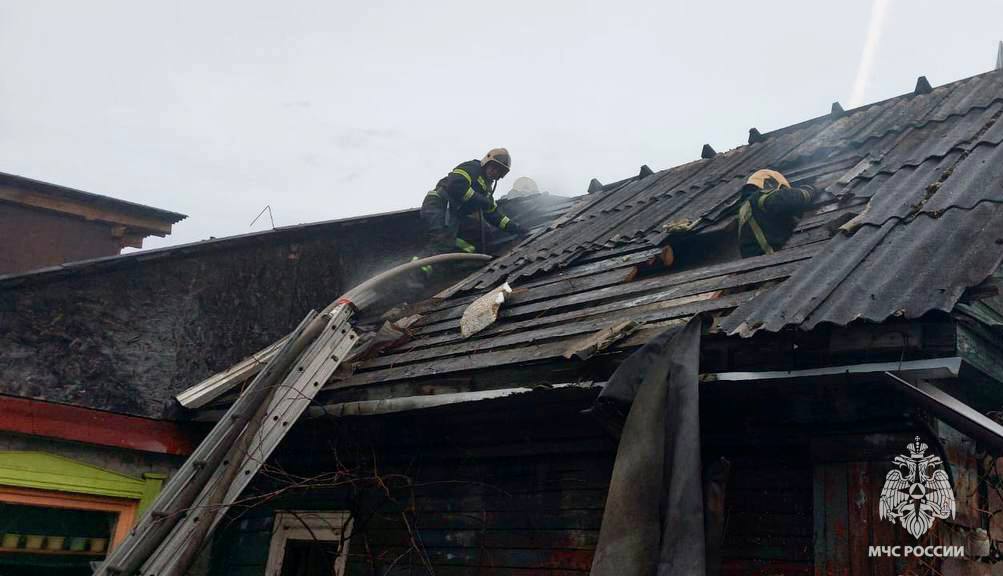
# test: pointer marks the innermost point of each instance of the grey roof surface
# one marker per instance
(903, 131)
(920, 175)
(933, 227)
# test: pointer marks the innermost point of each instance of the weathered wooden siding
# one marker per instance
(517, 486)
(769, 521)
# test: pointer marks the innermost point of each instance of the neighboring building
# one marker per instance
(44, 224)
(72, 480)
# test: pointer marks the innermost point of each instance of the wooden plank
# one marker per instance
(498, 520)
(964, 466)
(680, 293)
(807, 237)
(613, 253)
(532, 540)
(861, 504)
(218, 384)
(770, 548)
(79, 424)
(836, 514)
(883, 533)
(524, 295)
(541, 319)
(412, 566)
(768, 524)
(536, 352)
(499, 501)
(526, 337)
(820, 520)
(982, 354)
(747, 567)
(665, 281)
(597, 342)
(642, 258)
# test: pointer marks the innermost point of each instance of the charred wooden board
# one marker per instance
(537, 352)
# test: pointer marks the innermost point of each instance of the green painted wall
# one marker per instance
(43, 471)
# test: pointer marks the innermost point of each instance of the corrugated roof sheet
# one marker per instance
(896, 269)
(901, 131)
(907, 145)
(919, 176)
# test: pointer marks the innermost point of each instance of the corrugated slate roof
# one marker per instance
(927, 235)
(919, 177)
(907, 129)
(905, 144)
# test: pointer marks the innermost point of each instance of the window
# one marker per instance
(308, 543)
(48, 532)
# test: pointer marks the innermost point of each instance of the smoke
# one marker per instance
(878, 10)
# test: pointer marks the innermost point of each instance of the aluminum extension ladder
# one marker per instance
(171, 532)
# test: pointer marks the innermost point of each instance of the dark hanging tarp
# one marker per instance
(653, 523)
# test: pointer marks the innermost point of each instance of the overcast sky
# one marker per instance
(332, 109)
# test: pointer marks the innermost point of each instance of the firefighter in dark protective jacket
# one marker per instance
(770, 211)
(467, 189)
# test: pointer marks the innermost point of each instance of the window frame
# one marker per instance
(307, 525)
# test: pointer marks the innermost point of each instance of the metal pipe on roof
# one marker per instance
(932, 368)
(407, 403)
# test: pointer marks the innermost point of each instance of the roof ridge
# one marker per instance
(864, 107)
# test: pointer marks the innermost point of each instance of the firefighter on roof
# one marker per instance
(467, 189)
(769, 212)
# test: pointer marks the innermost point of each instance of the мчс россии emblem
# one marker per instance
(918, 496)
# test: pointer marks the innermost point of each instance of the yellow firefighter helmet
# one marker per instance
(499, 156)
(760, 179)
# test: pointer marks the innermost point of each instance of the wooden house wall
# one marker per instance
(515, 488)
(518, 486)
